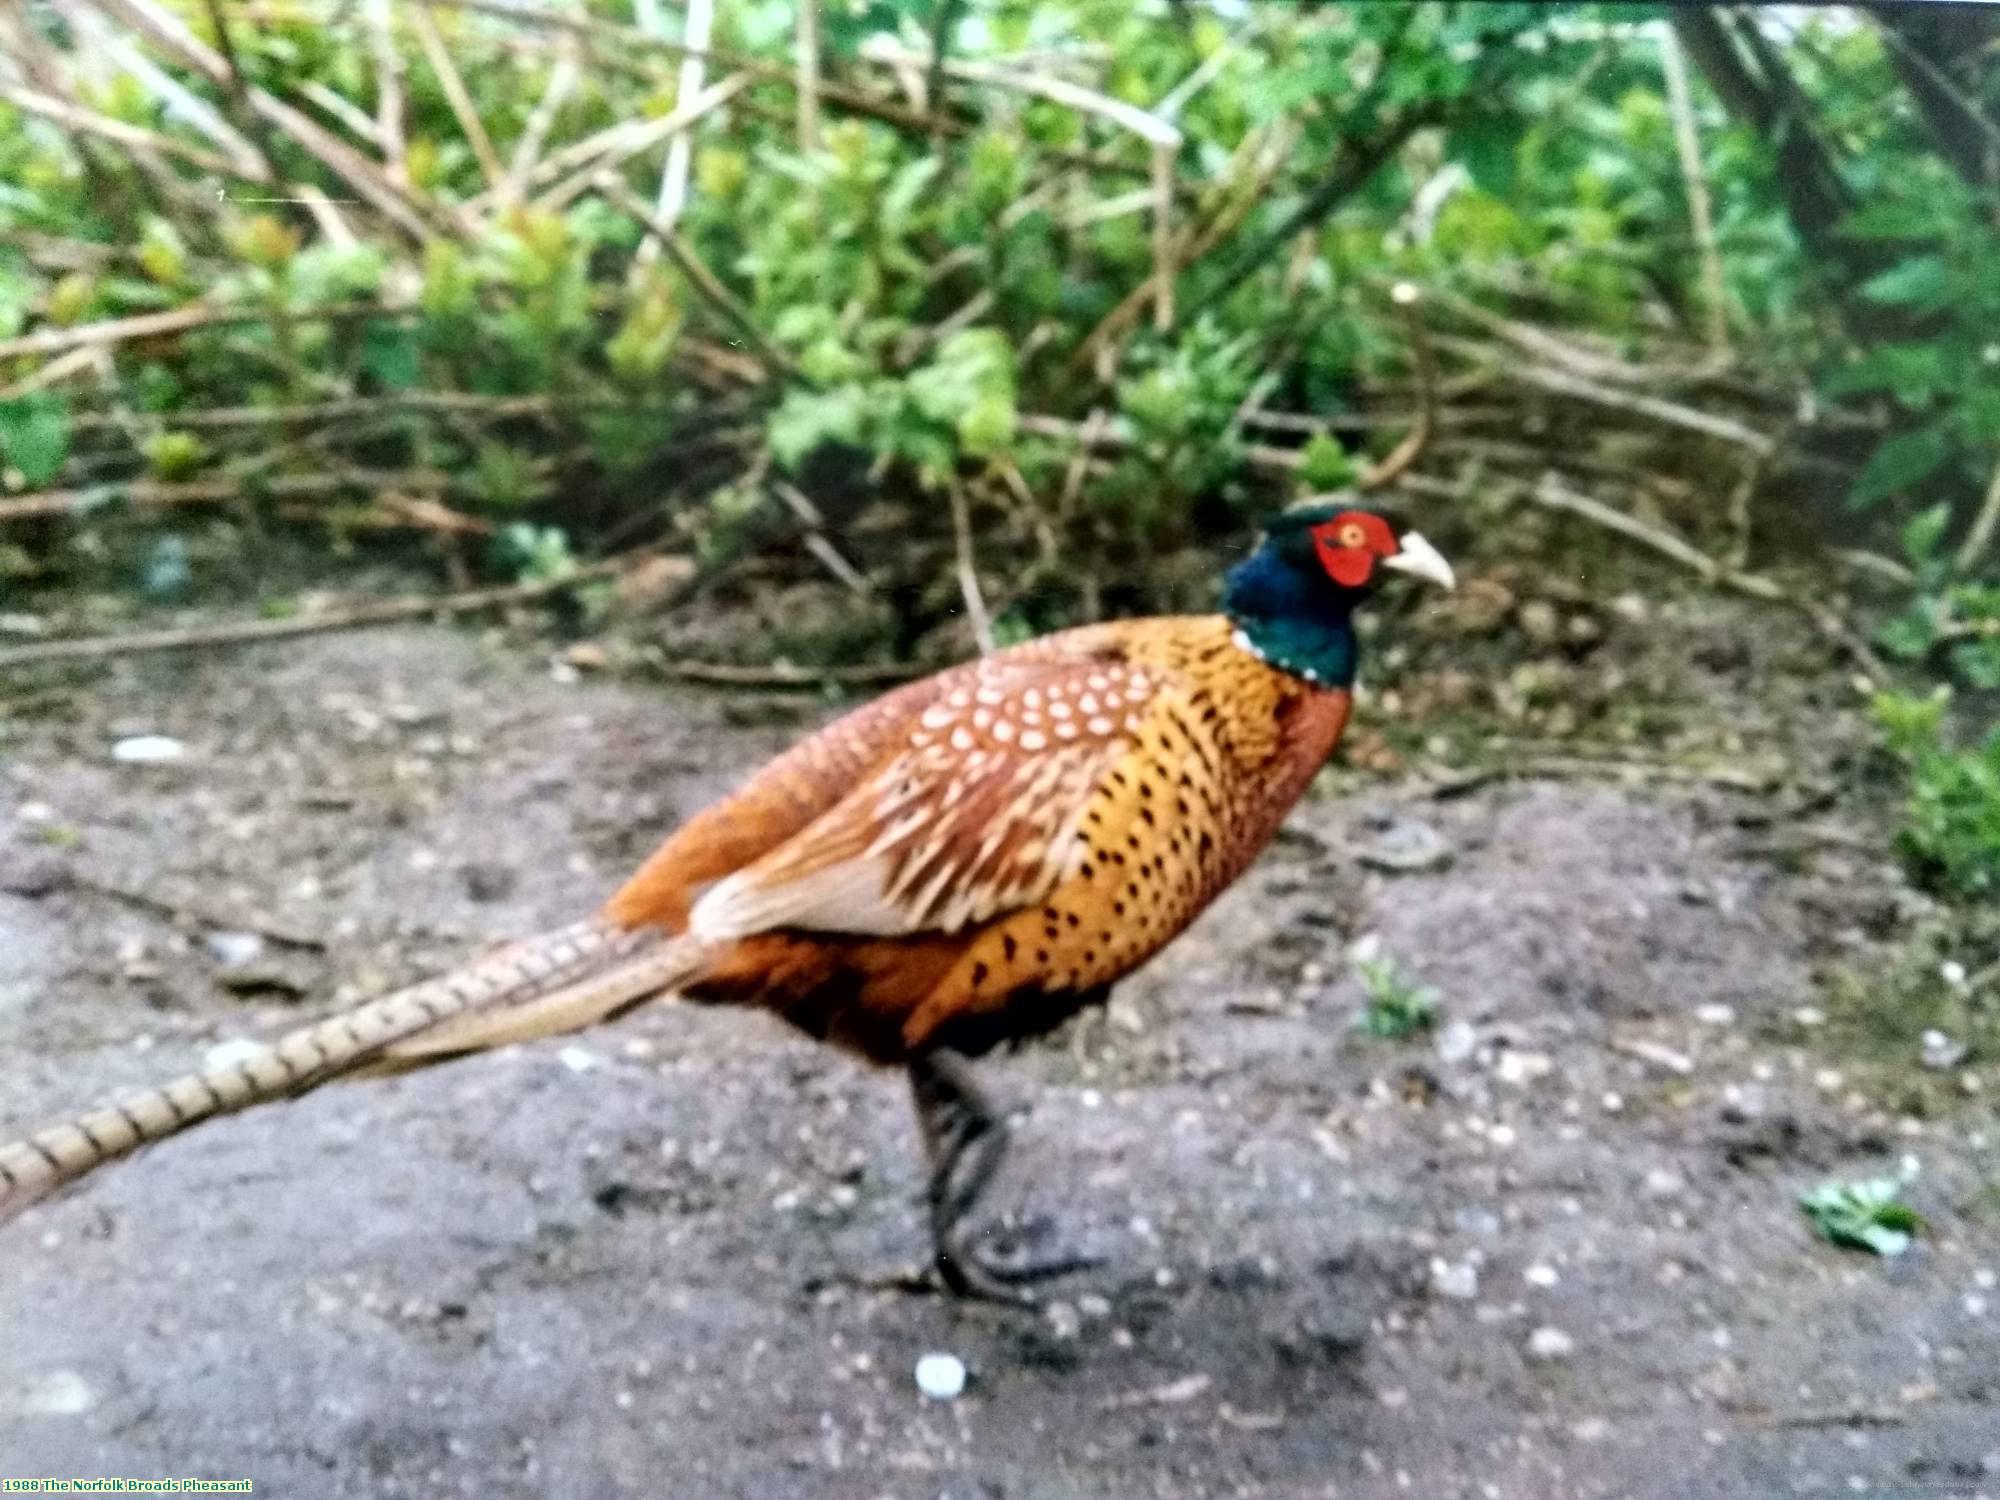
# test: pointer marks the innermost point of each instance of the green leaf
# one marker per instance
(805, 419)
(1924, 533)
(1325, 464)
(1921, 281)
(34, 436)
(389, 355)
(1488, 146)
(1901, 463)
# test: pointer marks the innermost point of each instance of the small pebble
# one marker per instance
(1459, 1282)
(579, 1059)
(59, 1393)
(1716, 1015)
(148, 750)
(941, 1376)
(1542, 1276)
(1457, 1042)
(234, 949)
(1661, 1183)
(1522, 1068)
(1550, 1344)
(1940, 1053)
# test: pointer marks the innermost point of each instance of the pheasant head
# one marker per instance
(1293, 599)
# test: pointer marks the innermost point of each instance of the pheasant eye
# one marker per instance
(1353, 534)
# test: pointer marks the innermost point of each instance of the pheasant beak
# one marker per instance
(1420, 559)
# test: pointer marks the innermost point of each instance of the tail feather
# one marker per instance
(590, 969)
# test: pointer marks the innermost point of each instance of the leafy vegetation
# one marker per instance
(1097, 287)
(1398, 1006)
(1952, 831)
(1864, 1215)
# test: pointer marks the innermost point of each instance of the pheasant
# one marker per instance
(969, 859)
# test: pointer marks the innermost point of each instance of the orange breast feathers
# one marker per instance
(1034, 824)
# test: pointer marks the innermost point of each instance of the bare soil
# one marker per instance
(1555, 1255)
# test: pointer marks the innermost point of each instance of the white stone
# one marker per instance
(1459, 1282)
(941, 1376)
(148, 750)
(1550, 1343)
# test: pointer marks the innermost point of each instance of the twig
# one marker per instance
(1574, 357)
(680, 150)
(705, 281)
(1687, 140)
(154, 493)
(347, 617)
(1660, 410)
(623, 142)
(1163, 237)
(180, 320)
(816, 539)
(395, 202)
(782, 674)
(808, 74)
(1241, 194)
(75, 117)
(528, 149)
(1972, 551)
(457, 403)
(968, 571)
(187, 909)
(942, 23)
(1406, 297)
(1552, 495)
(388, 91)
(467, 113)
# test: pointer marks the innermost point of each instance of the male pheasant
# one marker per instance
(967, 859)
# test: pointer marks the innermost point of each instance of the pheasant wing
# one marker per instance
(976, 815)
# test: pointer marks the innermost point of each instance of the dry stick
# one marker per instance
(784, 675)
(1197, 239)
(162, 494)
(1585, 362)
(968, 571)
(360, 124)
(1687, 140)
(1163, 238)
(455, 402)
(534, 136)
(1972, 551)
(705, 281)
(627, 141)
(324, 214)
(186, 909)
(467, 113)
(75, 117)
(808, 74)
(394, 201)
(816, 541)
(1406, 296)
(388, 91)
(350, 617)
(680, 150)
(180, 320)
(1660, 410)
(1552, 495)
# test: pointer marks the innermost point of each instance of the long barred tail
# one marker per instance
(580, 973)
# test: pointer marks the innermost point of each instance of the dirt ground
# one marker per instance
(1549, 1250)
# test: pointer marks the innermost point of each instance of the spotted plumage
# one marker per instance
(967, 859)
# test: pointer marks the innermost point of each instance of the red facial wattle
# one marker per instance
(1350, 544)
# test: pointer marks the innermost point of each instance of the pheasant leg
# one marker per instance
(965, 1140)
